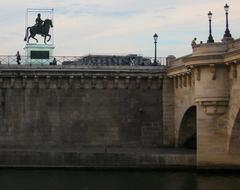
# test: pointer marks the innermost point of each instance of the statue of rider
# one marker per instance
(39, 23)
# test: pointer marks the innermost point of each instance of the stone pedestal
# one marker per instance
(39, 53)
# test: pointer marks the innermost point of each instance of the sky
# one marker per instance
(84, 27)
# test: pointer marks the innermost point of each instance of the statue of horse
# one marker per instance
(43, 31)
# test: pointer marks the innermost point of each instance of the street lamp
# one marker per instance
(210, 38)
(155, 37)
(227, 32)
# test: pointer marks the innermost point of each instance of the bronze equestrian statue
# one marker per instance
(41, 28)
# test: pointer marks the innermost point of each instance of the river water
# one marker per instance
(12, 179)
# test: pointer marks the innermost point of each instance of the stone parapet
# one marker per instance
(209, 49)
(79, 67)
(81, 76)
(206, 54)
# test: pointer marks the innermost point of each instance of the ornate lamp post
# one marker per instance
(155, 37)
(227, 32)
(210, 38)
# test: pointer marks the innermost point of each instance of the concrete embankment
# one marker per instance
(100, 158)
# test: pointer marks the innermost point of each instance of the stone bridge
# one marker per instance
(207, 102)
(55, 115)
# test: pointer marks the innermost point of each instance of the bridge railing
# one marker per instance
(85, 60)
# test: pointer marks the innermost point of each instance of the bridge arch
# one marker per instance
(234, 146)
(187, 136)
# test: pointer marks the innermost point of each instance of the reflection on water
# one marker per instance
(219, 182)
(114, 180)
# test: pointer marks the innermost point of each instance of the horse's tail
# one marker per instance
(25, 39)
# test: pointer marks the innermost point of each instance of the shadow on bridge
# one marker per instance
(235, 137)
(187, 133)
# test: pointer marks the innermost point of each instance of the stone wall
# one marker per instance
(70, 109)
(112, 159)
